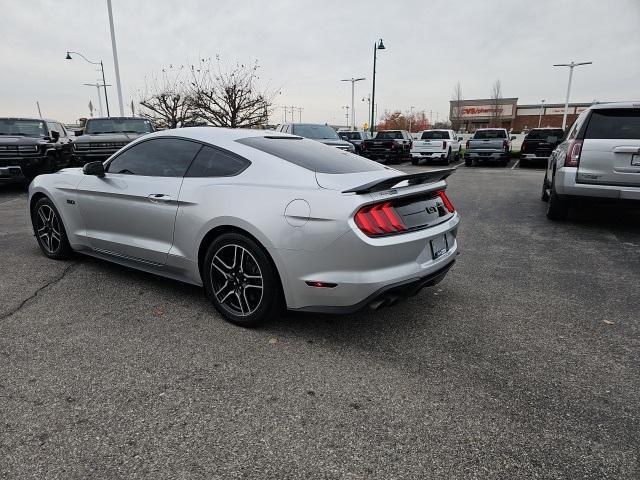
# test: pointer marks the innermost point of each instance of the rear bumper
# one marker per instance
(533, 157)
(365, 268)
(11, 174)
(487, 156)
(381, 155)
(565, 184)
(428, 154)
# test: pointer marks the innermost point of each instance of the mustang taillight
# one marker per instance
(447, 203)
(379, 219)
(573, 153)
(382, 219)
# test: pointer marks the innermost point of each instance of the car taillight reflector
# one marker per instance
(444, 144)
(505, 145)
(467, 144)
(573, 153)
(379, 219)
(447, 203)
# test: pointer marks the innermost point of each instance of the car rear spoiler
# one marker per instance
(431, 176)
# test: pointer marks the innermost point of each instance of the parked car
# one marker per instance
(488, 145)
(436, 144)
(388, 146)
(319, 132)
(29, 147)
(102, 137)
(538, 145)
(355, 138)
(599, 158)
(260, 220)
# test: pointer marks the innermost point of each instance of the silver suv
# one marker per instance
(599, 158)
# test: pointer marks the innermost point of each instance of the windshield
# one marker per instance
(23, 128)
(550, 135)
(316, 132)
(483, 134)
(117, 125)
(435, 135)
(389, 136)
(350, 135)
(312, 155)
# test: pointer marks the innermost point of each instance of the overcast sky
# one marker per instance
(306, 47)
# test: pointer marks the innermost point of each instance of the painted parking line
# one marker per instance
(515, 164)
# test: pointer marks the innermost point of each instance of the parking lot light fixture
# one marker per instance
(376, 46)
(541, 110)
(571, 66)
(104, 82)
(353, 109)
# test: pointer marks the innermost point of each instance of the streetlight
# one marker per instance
(115, 58)
(541, 110)
(571, 66)
(104, 82)
(376, 46)
(353, 110)
(97, 85)
(346, 107)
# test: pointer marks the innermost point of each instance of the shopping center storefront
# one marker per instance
(469, 115)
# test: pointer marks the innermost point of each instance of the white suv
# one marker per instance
(599, 158)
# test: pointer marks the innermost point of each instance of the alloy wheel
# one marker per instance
(236, 280)
(48, 229)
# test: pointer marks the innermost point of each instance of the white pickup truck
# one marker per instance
(436, 144)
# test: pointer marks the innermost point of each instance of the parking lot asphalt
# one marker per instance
(523, 363)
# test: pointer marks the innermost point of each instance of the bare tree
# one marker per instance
(229, 97)
(496, 103)
(456, 107)
(166, 100)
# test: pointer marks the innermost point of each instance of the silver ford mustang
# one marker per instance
(261, 220)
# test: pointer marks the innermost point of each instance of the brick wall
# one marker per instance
(531, 121)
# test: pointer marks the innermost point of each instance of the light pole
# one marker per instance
(541, 110)
(346, 107)
(353, 110)
(571, 66)
(97, 85)
(104, 82)
(115, 59)
(376, 46)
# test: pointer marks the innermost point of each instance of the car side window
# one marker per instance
(61, 130)
(158, 157)
(213, 162)
(573, 131)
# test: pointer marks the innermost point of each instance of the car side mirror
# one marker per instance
(55, 135)
(459, 139)
(94, 168)
(513, 137)
(79, 133)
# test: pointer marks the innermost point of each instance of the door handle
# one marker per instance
(159, 198)
(626, 149)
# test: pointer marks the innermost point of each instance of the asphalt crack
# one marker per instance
(51, 282)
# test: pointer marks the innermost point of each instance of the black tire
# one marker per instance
(468, 162)
(447, 159)
(524, 163)
(544, 196)
(504, 163)
(246, 292)
(49, 230)
(415, 161)
(557, 207)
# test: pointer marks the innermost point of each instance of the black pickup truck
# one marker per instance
(388, 146)
(102, 137)
(538, 145)
(29, 147)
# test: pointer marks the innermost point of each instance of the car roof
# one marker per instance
(216, 134)
(599, 106)
(118, 118)
(30, 118)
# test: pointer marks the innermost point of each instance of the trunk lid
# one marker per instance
(611, 148)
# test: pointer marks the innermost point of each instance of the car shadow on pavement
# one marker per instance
(617, 218)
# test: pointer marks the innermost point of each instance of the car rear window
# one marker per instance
(547, 134)
(621, 123)
(311, 155)
(389, 136)
(435, 136)
(483, 134)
